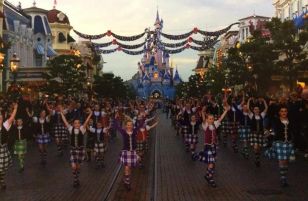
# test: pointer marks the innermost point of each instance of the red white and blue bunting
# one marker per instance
(210, 39)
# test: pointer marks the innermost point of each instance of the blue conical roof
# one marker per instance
(177, 76)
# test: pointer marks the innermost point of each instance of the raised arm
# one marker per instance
(85, 124)
(153, 125)
(227, 108)
(265, 105)
(149, 119)
(30, 114)
(203, 113)
(64, 119)
(12, 117)
(248, 105)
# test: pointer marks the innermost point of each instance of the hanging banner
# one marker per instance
(175, 51)
(177, 37)
(133, 52)
(174, 45)
(100, 51)
(127, 38)
(216, 33)
(90, 37)
(99, 45)
(202, 48)
(125, 46)
(202, 42)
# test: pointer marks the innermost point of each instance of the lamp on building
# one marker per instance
(1, 60)
(14, 89)
(14, 65)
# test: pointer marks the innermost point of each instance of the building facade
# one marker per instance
(60, 31)
(18, 35)
(289, 9)
(249, 24)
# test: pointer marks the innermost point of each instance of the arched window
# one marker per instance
(38, 25)
(61, 37)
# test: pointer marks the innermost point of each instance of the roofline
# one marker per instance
(254, 16)
(14, 8)
(36, 9)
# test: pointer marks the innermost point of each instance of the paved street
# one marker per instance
(176, 175)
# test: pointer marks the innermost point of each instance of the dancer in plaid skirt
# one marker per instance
(99, 135)
(5, 156)
(208, 155)
(20, 145)
(42, 130)
(58, 128)
(129, 157)
(257, 138)
(184, 121)
(193, 129)
(244, 128)
(233, 125)
(77, 152)
(142, 137)
(282, 147)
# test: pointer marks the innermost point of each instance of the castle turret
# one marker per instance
(176, 79)
(166, 78)
(146, 81)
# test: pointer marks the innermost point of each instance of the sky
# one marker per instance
(130, 17)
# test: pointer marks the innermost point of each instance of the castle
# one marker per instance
(155, 77)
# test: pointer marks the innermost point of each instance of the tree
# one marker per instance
(289, 43)
(215, 79)
(66, 73)
(112, 86)
(252, 63)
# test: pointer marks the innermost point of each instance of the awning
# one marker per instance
(70, 39)
(51, 52)
(40, 49)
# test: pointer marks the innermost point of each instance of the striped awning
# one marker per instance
(51, 52)
(40, 49)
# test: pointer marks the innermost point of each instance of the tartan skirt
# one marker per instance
(208, 155)
(141, 146)
(129, 158)
(77, 155)
(5, 158)
(43, 139)
(20, 147)
(257, 139)
(99, 148)
(192, 139)
(90, 142)
(224, 128)
(60, 132)
(244, 132)
(281, 151)
(233, 128)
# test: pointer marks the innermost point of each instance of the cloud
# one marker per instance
(132, 16)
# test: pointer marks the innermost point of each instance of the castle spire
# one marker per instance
(157, 21)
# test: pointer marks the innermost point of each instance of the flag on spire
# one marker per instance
(54, 4)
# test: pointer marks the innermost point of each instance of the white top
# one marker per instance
(76, 131)
(92, 130)
(36, 119)
(257, 116)
(146, 128)
(211, 127)
(6, 125)
(54, 112)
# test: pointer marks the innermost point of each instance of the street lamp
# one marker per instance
(1, 60)
(14, 64)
